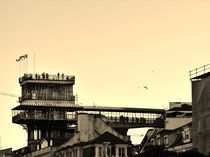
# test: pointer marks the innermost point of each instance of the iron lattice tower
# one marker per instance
(46, 108)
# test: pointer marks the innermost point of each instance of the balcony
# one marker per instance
(47, 97)
(20, 116)
(45, 77)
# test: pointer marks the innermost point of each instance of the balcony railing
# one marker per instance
(46, 97)
(136, 120)
(199, 71)
(38, 115)
(46, 76)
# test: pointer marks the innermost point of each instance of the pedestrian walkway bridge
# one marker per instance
(117, 117)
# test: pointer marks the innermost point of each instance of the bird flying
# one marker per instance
(145, 87)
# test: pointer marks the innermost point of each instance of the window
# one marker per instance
(166, 140)
(31, 134)
(186, 135)
(39, 134)
(68, 154)
(158, 140)
(35, 134)
(152, 141)
(38, 147)
(122, 152)
(99, 151)
(51, 142)
(75, 153)
(108, 151)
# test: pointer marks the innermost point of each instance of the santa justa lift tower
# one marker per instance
(46, 107)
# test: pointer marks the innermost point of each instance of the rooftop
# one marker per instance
(183, 107)
(45, 77)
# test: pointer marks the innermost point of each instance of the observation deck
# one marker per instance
(46, 78)
(45, 87)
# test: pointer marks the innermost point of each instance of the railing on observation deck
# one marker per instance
(35, 115)
(199, 71)
(46, 76)
(46, 97)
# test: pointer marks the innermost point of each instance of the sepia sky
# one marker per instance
(113, 47)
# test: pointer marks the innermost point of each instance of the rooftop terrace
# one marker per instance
(47, 77)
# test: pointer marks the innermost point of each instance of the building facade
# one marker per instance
(200, 80)
(95, 139)
(179, 139)
(46, 106)
(177, 134)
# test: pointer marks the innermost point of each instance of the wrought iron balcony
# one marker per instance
(47, 97)
(20, 115)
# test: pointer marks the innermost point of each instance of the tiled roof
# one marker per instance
(107, 137)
